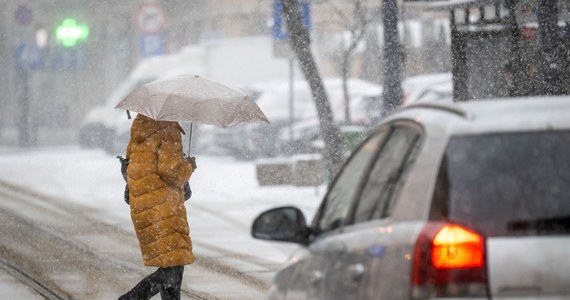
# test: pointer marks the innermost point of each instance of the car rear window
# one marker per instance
(506, 184)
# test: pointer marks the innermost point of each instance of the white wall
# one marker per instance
(240, 61)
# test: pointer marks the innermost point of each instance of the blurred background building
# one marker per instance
(49, 87)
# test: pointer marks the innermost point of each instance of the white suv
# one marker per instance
(468, 200)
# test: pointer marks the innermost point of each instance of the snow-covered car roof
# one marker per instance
(491, 116)
(427, 87)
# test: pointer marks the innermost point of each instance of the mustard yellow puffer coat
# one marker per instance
(156, 176)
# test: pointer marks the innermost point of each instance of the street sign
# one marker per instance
(150, 17)
(69, 32)
(30, 57)
(152, 44)
(279, 33)
(279, 30)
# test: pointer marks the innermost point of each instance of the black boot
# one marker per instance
(170, 289)
(167, 281)
(145, 289)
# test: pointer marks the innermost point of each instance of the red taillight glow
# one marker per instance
(457, 247)
(449, 261)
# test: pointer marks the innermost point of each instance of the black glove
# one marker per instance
(187, 191)
(126, 195)
(124, 165)
(192, 161)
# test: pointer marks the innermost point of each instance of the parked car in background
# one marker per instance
(106, 127)
(441, 201)
(283, 138)
(428, 87)
(109, 128)
(235, 61)
(274, 99)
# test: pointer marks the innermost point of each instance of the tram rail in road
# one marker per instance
(37, 286)
(62, 253)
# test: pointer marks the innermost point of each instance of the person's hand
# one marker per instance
(192, 161)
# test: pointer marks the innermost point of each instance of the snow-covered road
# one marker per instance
(226, 198)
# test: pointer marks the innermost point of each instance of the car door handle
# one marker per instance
(315, 278)
(356, 272)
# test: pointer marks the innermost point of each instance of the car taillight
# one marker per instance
(457, 247)
(449, 261)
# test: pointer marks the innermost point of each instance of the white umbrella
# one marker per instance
(194, 99)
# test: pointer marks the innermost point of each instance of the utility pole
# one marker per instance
(392, 57)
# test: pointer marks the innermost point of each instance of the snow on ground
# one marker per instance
(226, 196)
(11, 288)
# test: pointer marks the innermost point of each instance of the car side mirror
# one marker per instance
(285, 224)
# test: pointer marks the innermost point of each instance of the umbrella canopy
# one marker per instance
(193, 99)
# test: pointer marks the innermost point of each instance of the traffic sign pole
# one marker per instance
(26, 59)
(152, 44)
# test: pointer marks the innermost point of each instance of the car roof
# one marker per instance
(441, 121)
(491, 116)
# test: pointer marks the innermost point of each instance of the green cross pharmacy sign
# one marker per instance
(69, 33)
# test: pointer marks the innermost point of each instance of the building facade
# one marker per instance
(53, 96)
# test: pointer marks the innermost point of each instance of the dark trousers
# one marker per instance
(167, 281)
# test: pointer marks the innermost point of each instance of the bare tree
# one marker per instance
(299, 40)
(357, 23)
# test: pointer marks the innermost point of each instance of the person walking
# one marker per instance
(156, 174)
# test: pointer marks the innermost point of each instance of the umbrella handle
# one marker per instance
(190, 139)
